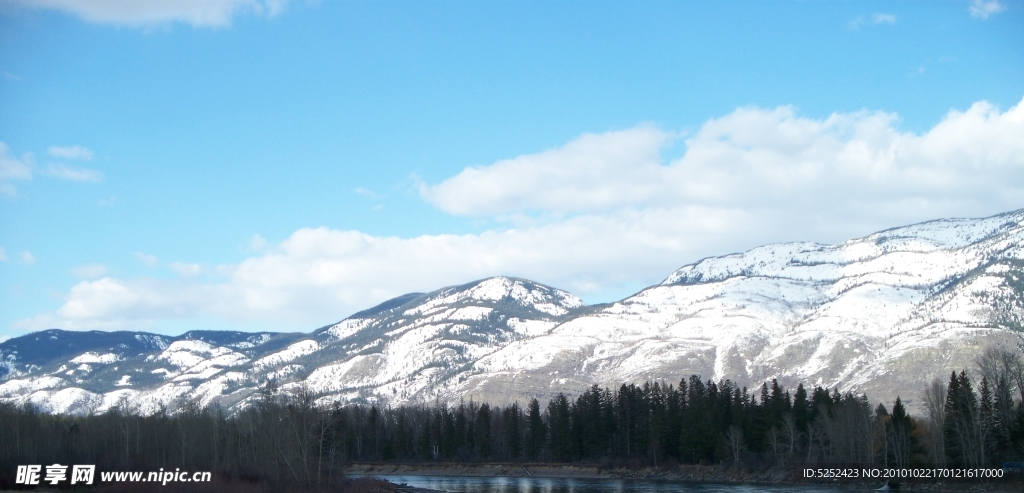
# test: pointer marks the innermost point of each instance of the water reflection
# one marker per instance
(464, 484)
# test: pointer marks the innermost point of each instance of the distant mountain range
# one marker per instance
(883, 314)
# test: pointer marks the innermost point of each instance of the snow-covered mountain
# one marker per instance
(412, 348)
(883, 314)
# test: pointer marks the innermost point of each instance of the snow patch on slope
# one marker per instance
(292, 352)
(91, 357)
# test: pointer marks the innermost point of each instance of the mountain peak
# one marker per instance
(815, 261)
(502, 290)
(881, 314)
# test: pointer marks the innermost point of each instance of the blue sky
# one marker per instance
(279, 165)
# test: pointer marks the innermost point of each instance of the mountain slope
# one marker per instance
(406, 349)
(882, 314)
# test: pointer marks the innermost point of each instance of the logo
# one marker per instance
(55, 474)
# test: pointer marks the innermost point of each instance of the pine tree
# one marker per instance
(901, 426)
(559, 423)
(511, 423)
(535, 430)
(482, 434)
(961, 423)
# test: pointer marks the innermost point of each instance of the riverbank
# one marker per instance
(714, 474)
(509, 470)
(683, 473)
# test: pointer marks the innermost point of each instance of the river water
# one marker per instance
(467, 484)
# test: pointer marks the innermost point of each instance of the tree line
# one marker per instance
(285, 438)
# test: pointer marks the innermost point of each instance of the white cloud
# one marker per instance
(89, 271)
(982, 9)
(27, 257)
(3, 254)
(604, 214)
(876, 19)
(74, 173)
(574, 177)
(147, 259)
(12, 168)
(763, 159)
(257, 243)
(186, 270)
(882, 18)
(321, 275)
(71, 152)
(112, 303)
(149, 12)
(366, 193)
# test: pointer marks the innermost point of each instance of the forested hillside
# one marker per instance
(286, 439)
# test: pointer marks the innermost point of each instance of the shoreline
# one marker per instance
(682, 473)
(511, 470)
(687, 473)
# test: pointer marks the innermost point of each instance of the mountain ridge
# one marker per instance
(882, 314)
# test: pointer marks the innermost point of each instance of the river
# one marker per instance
(469, 484)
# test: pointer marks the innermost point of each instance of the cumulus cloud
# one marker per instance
(109, 303)
(148, 12)
(571, 178)
(758, 158)
(89, 271)
(982, 9)
(12, 168)
(320, 275)
(72, 173)
(71, 152)
(605, 213)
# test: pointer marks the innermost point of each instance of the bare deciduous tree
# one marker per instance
(935, 402)
(734, 442)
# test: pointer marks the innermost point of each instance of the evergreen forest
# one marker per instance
(286, 439)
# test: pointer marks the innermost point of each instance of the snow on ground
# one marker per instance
(199, 360)
(530, 328)
(123, 398)
(91, 357)
(251, 342)
(348, 327)
(21, 386)
(549, 300)
(69, 400)
(290, 353)
(186, 354)
(151, 340)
